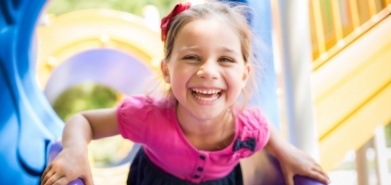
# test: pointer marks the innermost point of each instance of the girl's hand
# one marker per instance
(68, 166)
(296, 162)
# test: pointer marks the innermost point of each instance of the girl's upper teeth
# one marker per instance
(209, 91)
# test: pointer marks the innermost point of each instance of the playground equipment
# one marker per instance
(117, 50)
(28, 124)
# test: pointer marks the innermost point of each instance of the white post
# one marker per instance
(293, 57)
(379, 143)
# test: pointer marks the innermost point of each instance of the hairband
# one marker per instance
(165, 24)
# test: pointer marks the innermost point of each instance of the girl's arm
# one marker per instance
(292, 160)
(72, 162)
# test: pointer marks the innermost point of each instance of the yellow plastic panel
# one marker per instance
(352, 94)
(351, 77)
(357, 129)
(68, 34)
(328, 77)
(353, 91)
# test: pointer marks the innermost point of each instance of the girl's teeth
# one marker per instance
(211, 98)
(206, 91)
(206, 95)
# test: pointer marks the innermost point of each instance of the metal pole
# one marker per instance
(293, 59)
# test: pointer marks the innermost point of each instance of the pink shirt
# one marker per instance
(144, 120)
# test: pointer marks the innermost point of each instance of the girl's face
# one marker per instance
(206, 70)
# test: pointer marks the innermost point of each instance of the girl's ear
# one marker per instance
(165, 72)
(246, 75)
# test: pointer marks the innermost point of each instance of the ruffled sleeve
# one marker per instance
(254, 132)
(134, 118)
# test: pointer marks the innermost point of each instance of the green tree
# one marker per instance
(84, 97)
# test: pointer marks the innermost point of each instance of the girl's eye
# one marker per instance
(224, 59)
(191, 57)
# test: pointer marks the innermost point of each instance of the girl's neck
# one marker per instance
(213, 134)
(194, 126)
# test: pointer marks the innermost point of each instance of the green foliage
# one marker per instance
(132, 6)
(388, 135)
(84, 97)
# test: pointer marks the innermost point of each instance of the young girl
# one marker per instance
(199, 132)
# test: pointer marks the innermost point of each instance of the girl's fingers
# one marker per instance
(53, 179)
(46, 176)
(87, 180)
(61, 181)
(317, 168)
(46, 171)
(320, 176)
(289, 179)
(322, 173)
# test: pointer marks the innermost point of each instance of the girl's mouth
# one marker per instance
(206, 94)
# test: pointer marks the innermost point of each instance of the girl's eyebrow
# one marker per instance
(230, 50)
(195, 48)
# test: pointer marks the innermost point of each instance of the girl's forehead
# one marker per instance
(206, 28)
(207, 36)
(208, 33)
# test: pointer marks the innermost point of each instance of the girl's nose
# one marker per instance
(208, 70)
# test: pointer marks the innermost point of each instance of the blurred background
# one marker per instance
(91, 54)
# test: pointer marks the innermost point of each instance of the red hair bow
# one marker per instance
(165, 24)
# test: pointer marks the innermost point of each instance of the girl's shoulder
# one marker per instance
(252, 128)
(252, 131)
(252, 117)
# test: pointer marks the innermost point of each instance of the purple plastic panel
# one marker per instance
(112, 68)
(301, 180)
